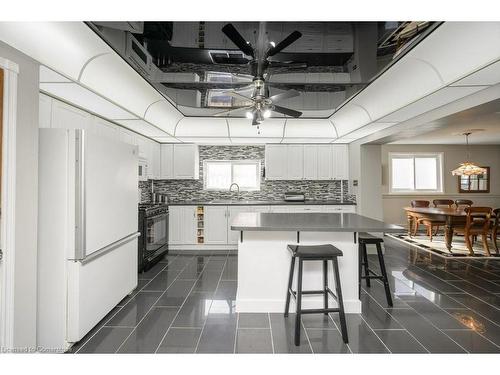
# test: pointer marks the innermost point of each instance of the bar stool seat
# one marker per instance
(368, 239)
(314, 253)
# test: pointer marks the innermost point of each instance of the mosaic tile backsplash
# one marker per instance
(192, 190)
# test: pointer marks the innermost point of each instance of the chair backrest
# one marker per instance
(463, 202)
(496, 212)
(483, 213)
(442, 202)
(420, 203)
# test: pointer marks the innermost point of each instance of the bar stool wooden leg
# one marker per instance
(290, 281)
(325, 285)
(299, 304)
(338, 292)
(365, 264)
(384, 275)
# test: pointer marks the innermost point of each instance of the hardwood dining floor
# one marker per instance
(186, 305)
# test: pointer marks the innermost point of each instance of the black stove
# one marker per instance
(153, 242)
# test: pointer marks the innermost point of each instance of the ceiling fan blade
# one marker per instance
(237, 39)
(238, 96)
(286, 111)
(284, 95)
(230, 111)
(284, 43)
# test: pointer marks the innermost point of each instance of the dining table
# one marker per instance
(451, 216)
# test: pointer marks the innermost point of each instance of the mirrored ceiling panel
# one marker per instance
(260, 69)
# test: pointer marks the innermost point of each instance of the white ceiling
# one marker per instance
(485, 117)
(434, 74)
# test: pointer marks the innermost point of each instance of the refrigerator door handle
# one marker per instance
(80, 230)
(106, 249)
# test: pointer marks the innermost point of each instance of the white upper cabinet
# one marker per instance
(276, 162)
(106, 129)
(340, 162)
(307, 162)
(295, 162)
(324, 169)
(179, 162)
(311, 166)
(186, 161)
(166, 161)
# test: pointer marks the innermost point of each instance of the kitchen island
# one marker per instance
(264, 261)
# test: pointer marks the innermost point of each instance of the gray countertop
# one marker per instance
(230, 202)
(310, 222)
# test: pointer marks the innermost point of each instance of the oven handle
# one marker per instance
(106, 249)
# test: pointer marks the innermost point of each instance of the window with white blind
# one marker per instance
(220, 174)
(416, 172)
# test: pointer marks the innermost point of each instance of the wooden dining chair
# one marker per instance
(417, 203)
(463, 203)
(473, 227)
(443, 202)
(427, 222)
(495, 224)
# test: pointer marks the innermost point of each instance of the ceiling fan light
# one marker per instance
(249, 115)
(267, 113)
(468, 169)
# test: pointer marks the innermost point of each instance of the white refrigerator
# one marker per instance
(87, 232)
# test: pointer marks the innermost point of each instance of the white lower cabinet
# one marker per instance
(217, 221)
(182, 225)
(216, 218)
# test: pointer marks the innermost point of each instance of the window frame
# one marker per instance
(412, 155)
(257, 163)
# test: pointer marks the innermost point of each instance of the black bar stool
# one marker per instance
(315, 252)
(367, 239)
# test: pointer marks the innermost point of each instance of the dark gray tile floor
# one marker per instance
(186, 304)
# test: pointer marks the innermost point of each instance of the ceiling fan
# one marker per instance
(260, 104)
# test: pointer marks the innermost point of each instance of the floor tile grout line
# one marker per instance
(307, 336)
(205, 321)
(439, 307)
(183, 302)
(340, 333)
(397, 321)
(462, 279)
(236, 333)
(152, 306)
(383, 343)
(271, 329)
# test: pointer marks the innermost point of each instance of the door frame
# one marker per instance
(8, 190)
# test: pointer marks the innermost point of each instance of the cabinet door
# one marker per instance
(127, 136)
(280, 209)
(106, 129)
(166, 161)
(340, 162)
(311, 208)
(189, 225)
(65, 116)
(310, 162)
(186, 161)
(215, 224)
(154, 162)
(233, 211)
(275, 161)
(325, 162)
(295, 162)
(44, 111)
(175, 224)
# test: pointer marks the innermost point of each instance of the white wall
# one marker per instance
(365, 167)
(26, 198)
(488, 156)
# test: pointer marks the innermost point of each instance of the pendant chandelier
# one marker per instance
(468, 168)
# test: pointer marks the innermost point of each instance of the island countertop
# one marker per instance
(310, 222)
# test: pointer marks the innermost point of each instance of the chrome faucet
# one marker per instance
(238, 191)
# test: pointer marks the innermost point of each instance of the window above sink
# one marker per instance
(220, 174)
